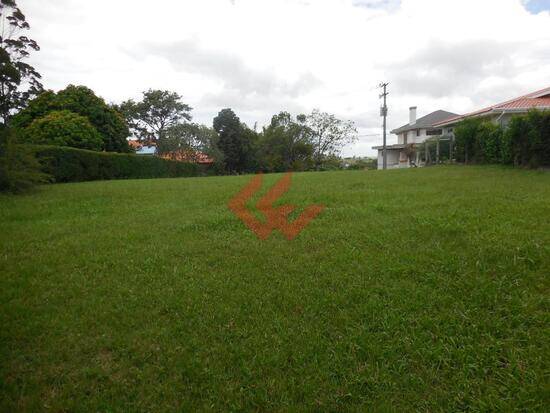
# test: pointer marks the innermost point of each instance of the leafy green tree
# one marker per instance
(479, 141)
(39, 106)
(466, 142)
(285, 144)
(191, 138)
(489, 138)
(158, 111)
(236, 141)
(19, 81)
(108, 121)
(63, 128)
(527, 140)
(540, 121)
(329, 134)
(19, 168)
(82, 101)
(249, 138)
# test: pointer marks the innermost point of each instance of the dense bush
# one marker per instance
(63, 128)
(466, 140)
(329, 163)
(41, 105)
(73, 165)
(488, 144)
(19, 168)
(525, 141)
(360, 164)
(80, 100)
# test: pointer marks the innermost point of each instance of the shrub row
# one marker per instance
(67, 164)
(524, 142)
(19, 168)
(527, 140)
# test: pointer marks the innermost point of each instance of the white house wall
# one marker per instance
(412, 137)
(504, 119)
(421, 136)
(392, 158)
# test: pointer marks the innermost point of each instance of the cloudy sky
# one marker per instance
(263, 56)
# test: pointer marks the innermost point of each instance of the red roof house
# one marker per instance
(187, 155)
(502, 112)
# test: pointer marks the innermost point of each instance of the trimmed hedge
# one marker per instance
(524, 142)
(527, 140)
(67, 164)
(19, 168)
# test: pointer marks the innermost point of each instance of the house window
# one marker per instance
(418, 132)
(405, 138)
(433, 132)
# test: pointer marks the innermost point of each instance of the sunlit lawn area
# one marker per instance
(414, 290)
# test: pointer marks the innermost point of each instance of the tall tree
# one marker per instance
(235, 141)
(19, 81)
(329, 134)
(191, 139)
(285, 144)
(83, 101)
(158, 111)
(465, 139)
(64, 128)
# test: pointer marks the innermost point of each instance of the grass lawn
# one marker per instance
(414, 290)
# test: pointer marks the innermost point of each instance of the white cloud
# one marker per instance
(263, 56)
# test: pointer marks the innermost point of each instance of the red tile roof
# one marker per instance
(188, 156)
(539, 99)
(134, 144)
(183, 155)
(529, 103)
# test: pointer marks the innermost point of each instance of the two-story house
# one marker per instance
(414, 132)
(441, 123)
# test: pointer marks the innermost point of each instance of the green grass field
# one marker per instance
(414, 290)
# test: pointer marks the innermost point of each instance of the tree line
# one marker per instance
(302, 142)
(77, 117)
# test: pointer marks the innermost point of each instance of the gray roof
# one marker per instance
(426, 121)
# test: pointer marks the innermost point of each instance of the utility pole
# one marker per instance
(384, 113)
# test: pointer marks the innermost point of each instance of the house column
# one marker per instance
(427, 153)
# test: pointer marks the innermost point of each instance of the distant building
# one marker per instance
(134, 144)
(440, 124)
(188, 156)
(501, 113)
(414, 132)
(141, 149)
(182, 155)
